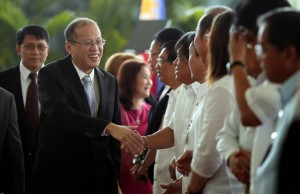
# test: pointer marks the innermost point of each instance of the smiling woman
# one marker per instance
(134, 85)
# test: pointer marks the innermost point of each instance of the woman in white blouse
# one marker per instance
(208, 174)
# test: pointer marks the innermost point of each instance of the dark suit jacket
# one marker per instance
(288, 165)
(12, 175)
(72, 156)
(11, 81)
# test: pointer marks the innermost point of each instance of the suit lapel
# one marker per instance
(17, 90)
(103, 86)
(74, 80)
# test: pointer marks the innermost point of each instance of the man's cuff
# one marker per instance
(105, 132)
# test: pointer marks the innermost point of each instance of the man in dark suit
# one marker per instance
(79, 143)
(33, 47)
(12, 174)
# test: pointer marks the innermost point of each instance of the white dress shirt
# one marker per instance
(233, 137)
(164, 156)
(208, 120)
(25, 81)
(268, 171)
(187, 99)
(264, 101)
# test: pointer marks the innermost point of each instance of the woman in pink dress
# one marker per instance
(134, 85)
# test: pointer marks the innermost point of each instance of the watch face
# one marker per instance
(235, 63)
(228, 65)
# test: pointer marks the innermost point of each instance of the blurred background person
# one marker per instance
(113, 65)
(258, 103)
(12, 172)
(134, 85)
(280, 58)
(21, 80)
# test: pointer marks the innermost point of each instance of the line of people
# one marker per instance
(225, 121)
(238, 136)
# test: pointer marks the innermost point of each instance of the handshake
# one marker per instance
(131, 141)
(134, 144)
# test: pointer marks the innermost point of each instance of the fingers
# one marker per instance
(132, 142)
(172, 169)
(172, 188)
(164, 186)
(183, 164)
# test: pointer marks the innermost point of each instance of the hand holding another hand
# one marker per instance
(131, 141)
(174, 187)
(183, 163)
(239, 164)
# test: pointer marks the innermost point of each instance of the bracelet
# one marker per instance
(145, 141)
(136, 159)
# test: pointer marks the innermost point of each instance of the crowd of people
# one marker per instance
(224, 121)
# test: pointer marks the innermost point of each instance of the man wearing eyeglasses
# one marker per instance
(80, 135)
(33, 48)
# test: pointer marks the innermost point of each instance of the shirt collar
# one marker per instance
(201, 89)
(289, 87)
(25, 72)
(81, 74)
(175, 92)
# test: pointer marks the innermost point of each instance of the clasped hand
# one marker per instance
(132, 142)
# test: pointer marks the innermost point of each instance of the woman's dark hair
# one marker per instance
(127, 77)
(218, 46)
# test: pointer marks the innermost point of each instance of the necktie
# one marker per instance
(32, 112)
(89, 91)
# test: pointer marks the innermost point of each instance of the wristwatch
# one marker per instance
(230, 65)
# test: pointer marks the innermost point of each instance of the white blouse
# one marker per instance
(208, 120)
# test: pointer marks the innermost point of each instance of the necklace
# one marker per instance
(137, 116)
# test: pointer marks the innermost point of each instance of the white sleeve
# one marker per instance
(264, 100)
(228, 136)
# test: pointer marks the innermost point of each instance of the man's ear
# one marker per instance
(18, 49)
(290, 57)
(68, 47)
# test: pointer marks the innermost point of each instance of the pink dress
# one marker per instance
(133, 118)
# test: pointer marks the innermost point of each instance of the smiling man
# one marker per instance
(79, 140)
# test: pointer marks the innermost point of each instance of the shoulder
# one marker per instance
(5, 95)
(9, 72)
(58, 67)
(146, 106)
(104, 73)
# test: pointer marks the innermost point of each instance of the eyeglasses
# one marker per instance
(88, 43)
(161, 60)
(31, 47)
